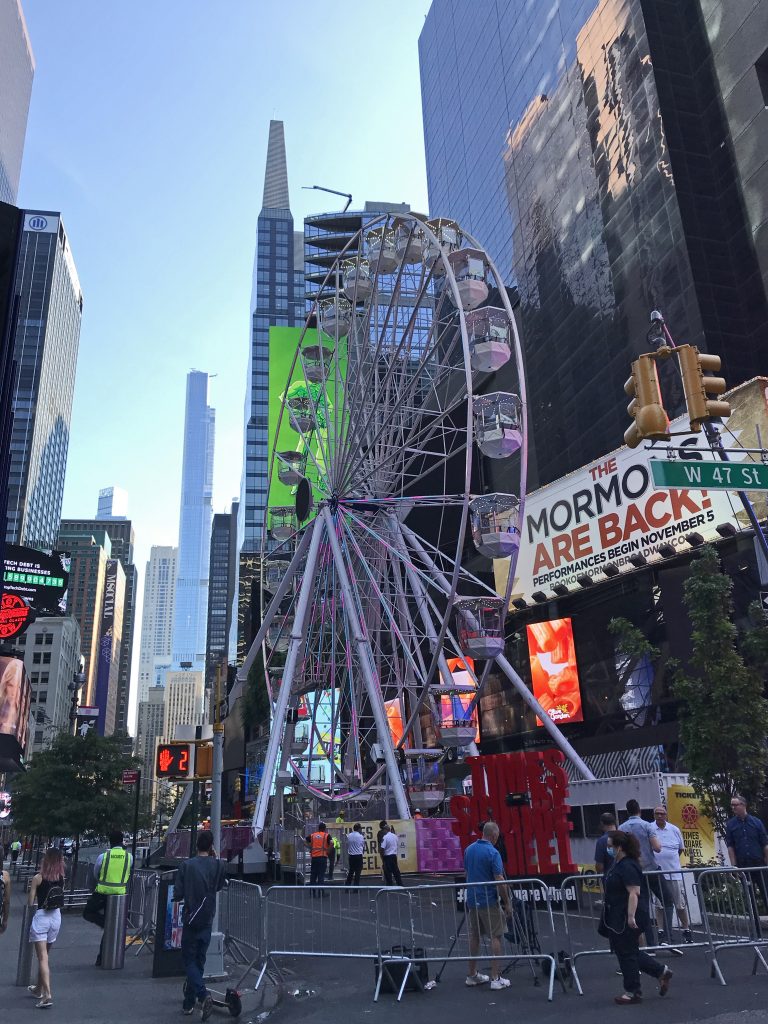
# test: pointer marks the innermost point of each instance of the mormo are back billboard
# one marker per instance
(609, 510)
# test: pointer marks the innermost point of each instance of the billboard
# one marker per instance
(454, 706)
(283, 342)
(87, 720)
(609, 511)
(109, 646)
(555, 675)
(39, 578)
(15, 616)
(14, 711)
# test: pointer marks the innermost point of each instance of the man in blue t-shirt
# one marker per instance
(604, 859)
(747, 843)
(482, 863)
(645, 833)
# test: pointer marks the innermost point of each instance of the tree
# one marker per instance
(74, 788)
(723, 713)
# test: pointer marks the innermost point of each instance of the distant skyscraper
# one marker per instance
(17, 69)
(221, 594)
(156, 646)
(191, 607)
(277, 299)
(149, 729)
(113, 503)
(120, 532)
(45, 349)
(616, 163)
(52, 658)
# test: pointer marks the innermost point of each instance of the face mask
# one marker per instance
(611, 851)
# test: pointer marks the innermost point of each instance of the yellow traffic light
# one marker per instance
(693, 365)
(203, 761)
(651, 420)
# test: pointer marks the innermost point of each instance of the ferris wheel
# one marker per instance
(374, 636)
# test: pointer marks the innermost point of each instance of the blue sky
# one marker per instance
(148, 130)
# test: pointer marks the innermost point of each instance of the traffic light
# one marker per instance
(693, 366)
(651, 420)
(173, 761)
(203, 761)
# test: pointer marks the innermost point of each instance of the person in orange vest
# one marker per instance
(319, 845)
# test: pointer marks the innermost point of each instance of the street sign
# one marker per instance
(709, 476)
(130, 776)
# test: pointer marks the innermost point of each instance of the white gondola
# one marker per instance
(470, 270)
(495, 524)
(291, 467)
(282, 522)
(426, 797)
(456, 732)
(498, 425)
(357, 281)
(335, 317)
(316, 360)
(409, 242)
(279, 633)
(448, 235)
(480, 626)
(380, 251)
(488, 330)
(275, 569)
(301, 413)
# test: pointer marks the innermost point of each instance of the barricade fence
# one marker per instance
(142, 907)
(241, 920)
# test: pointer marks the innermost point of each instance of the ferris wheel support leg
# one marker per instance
(557, 736)
(366, 664)
(277, 732)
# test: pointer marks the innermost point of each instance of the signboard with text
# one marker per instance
(39, 578)
(701, 476)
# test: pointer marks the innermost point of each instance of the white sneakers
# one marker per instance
(483, 979)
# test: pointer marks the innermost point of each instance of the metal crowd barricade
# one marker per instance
(675, 902)
(319, 921)
(433, 923)
(142, 907)
(241, 920)
(731, 901)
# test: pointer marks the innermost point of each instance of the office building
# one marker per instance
(156, 644)
(191, 604)
(149, 729)
(121, 536)
(45, 349)
(611, 156)
(90, 552)
(11, 223)
(183, 697)
(17, 69)
(113, 504)
(222, 574)
(52, 659)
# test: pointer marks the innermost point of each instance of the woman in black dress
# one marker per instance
(626, 916)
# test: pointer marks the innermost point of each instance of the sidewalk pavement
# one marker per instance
(327, 991)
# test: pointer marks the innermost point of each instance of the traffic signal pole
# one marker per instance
(715, 442)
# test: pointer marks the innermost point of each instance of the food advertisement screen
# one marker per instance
(554, 672)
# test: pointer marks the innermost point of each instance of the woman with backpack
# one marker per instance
(47, 891)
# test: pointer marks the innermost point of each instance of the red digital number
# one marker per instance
(184, 760)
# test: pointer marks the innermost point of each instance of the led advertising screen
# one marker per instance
(454, 706)
(394, 719)
(555, 676)
(14, 711)
(37, 577)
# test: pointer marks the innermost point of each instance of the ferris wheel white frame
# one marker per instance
(420, 567)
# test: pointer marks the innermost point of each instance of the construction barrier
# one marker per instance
(142, 908)
(734, 903)
(241, 920)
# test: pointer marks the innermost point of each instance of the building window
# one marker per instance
(38, 639)
(36, 658)
(47, 658)
(48, 639)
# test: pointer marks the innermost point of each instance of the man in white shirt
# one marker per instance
(355, 850)
(389, 858)
(668, 858)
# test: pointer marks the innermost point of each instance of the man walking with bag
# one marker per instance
(198, 880)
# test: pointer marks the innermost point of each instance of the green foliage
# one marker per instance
(724, 713)
(631, 641)
(74, 788)
(255, 707)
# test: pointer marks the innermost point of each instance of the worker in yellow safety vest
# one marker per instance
(319, 843)
(113, 871)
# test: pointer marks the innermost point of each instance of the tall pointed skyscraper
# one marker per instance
(191, 606)
(277, 299)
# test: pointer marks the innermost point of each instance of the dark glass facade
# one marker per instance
(221, 592)
(583, 143)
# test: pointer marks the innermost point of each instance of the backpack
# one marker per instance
(54, 898)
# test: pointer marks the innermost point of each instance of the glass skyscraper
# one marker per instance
(45, 349)
(191, 604)
(589, 146)
(17, 69)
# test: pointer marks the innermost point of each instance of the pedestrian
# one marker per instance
(5, 897)
(625, 917)
(15, 850)
(482, 863)
(417, 814)
(645, 833)
(668, 858)
(198, 880)
(603, 852)
(340, 818)
(47, 891)
(334, 851)
(389, 859)
(113, 870)
(383, 829)
(318, 843)
(355, 848)
(747, 843)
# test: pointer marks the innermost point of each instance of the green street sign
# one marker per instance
(709, 476)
